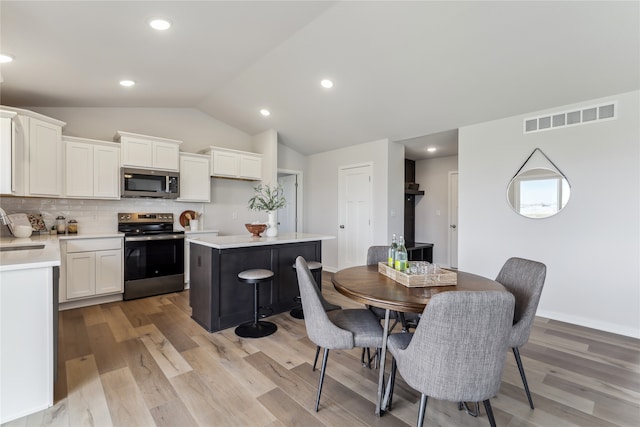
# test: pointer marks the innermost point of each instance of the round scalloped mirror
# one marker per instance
(538, 193)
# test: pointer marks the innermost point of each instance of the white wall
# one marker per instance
(592, 247)
(196, 129)
(395, 193)
(321, 196)
(432, 209)
(290, 159)
(266, 143)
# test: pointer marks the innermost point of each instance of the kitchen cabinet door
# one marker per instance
(45, 158)
(92, 168)
(150, 152)
(195, 182)
(165, 156)
(228, 163)
(250, 166)
(225, 163)
(79, 170)
(108, 268)
(106, 172)
(81, 274)
(7, 155)
(137, 152)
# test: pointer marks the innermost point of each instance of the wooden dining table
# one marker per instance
(366, 285)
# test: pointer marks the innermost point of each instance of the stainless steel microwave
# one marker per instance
(150, 183)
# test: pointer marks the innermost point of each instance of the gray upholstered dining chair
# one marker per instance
(337, 329)
(458, 350)
(524, 279)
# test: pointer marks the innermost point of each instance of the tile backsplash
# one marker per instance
(93, 216)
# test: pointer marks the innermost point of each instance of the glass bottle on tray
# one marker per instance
(401, 256)
(392, 252)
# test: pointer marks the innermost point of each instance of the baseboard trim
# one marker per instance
(591, 323)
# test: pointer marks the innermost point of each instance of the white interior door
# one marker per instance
(287, 216)
(453, 219)
(354, 204)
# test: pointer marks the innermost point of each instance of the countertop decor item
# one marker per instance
(72, 226)
(22, 230)
(268, 199)
(256, 229)
(186, 217)
(37, 223)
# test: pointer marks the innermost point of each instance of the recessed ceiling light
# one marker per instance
(431, 149)
(160, 24)
(265, 112)
(326, 83)
(127, 83)
(4, 58)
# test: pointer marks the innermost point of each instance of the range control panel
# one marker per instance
(127, 218)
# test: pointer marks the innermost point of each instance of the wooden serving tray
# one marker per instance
(440, 278)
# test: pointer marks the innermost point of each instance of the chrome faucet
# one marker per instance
(4, 218)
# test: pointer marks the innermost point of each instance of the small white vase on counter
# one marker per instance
(272, 226)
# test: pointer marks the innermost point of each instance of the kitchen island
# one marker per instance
(219, 301)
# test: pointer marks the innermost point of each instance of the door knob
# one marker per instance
(341, 226)
(452, 226)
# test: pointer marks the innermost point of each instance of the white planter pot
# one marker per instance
(272, 226)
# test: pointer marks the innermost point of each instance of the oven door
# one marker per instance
(153, 256)
(154, 265)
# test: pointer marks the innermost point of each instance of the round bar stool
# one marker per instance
(255, 329)
(315, 268)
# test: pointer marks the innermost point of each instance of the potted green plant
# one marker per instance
(268, 199)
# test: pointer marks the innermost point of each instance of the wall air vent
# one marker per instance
(563, 119)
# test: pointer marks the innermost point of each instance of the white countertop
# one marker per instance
(246, 240)
(49, 256)
(200, 231)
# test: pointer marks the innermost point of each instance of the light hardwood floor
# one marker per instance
(145, 362)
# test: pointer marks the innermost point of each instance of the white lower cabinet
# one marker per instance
(92, 267)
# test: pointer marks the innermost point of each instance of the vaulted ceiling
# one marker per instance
(402, 70)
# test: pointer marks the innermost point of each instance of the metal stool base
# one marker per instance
(297, 313)
(256, 330)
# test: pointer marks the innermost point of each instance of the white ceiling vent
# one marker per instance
(563, 119)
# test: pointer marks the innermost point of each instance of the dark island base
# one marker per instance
(219, 301)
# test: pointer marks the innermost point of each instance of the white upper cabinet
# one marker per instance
(37, 155)
(150, 152)
(251, 166)
(92, 168)
(195, 182)
(228, 163)
(7, 153)
(45, 158)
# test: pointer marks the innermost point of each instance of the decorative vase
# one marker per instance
(272, 229)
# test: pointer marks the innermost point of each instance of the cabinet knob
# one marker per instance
(341, 226)
(453, 226)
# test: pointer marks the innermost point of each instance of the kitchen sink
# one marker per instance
(20, 247)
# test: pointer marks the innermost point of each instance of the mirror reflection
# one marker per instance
(538, 193)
